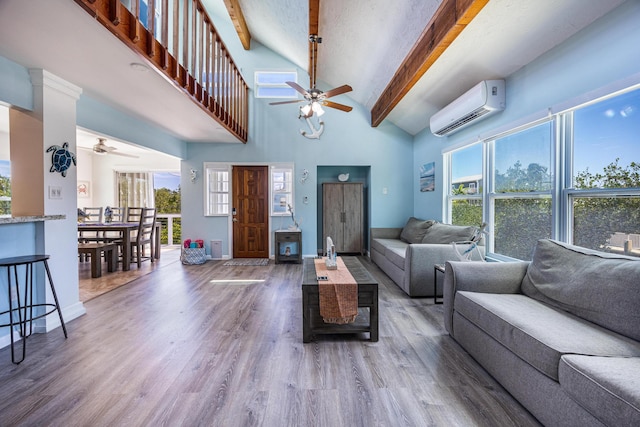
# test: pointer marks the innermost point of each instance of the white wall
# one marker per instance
(100, 171)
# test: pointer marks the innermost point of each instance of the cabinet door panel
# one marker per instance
(352, 237)
(332, 226)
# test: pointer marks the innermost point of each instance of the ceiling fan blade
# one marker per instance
(337, 91)
(337, 106)
(299, 88)
(286, 102)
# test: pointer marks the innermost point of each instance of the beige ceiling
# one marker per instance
(364, 41)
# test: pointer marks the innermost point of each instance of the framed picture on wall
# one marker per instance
(83, 190)
(428, 177)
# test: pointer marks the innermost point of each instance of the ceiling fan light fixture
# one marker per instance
(317, 108)
(305, 110)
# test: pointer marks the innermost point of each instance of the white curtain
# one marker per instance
(135, 189)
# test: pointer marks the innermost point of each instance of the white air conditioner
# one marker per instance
(482, 100)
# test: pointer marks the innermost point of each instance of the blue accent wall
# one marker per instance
(606, 52)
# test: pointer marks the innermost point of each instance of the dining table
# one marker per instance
(123, 228)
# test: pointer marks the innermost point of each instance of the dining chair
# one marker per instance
(92, 215)
(144, 237)
(134, 214)
(117, 214)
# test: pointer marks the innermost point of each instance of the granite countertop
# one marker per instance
(32, 218)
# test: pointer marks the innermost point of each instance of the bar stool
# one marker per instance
(21, 300)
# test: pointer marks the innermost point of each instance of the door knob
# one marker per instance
(235, 220)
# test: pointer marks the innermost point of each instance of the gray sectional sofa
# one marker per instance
(407, 255)
(561, 333)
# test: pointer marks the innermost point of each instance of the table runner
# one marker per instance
(339, 295)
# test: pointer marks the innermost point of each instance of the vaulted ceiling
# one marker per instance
(364, 44)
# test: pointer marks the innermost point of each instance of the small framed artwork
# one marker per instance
(83, 190)
(428, 177)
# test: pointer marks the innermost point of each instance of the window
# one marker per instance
(217, 189)
(574, 177)
(605, 198)
(5, 163)
(466, 186)
(272, 84)
(521, 196)
(135, 189)
(5, 187)
(281, 189)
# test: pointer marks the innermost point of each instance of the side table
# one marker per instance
(438, 268)
(288, 246)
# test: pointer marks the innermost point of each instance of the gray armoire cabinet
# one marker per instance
(342, 216)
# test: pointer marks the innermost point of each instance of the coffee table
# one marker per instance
(312, 323)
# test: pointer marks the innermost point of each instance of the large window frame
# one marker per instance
(562, 193)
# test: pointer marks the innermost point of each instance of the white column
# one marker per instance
(43, 192)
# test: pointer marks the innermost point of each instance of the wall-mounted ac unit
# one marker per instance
(481, 101)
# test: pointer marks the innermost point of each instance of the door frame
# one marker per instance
(230, 217)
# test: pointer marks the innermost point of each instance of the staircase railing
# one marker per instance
(178, 38)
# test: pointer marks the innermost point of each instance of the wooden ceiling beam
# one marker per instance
(447, 23)
(237, 17)
(314, 14)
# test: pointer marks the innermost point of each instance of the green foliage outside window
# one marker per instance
(597, 218)
(520, 222)
(168, 202)
(5, 192)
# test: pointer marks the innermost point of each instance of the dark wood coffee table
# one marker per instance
(312, 323)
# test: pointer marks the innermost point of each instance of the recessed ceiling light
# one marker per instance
(139, 67)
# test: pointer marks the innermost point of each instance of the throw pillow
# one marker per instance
(414, 230)
(446, 233)
(597, 286)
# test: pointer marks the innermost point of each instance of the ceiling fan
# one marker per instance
(315, 97)
(101, 148)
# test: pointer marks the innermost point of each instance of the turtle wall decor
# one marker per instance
(61, 158)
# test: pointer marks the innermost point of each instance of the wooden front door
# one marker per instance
(250, 211)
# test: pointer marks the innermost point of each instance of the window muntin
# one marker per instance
(272, 84)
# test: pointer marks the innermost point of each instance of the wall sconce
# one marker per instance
(193, 175)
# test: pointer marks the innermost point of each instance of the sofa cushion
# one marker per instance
(396, 255)
(537, 333)
(600, 287)
(607, 387)
(415, 229)
(446, 233)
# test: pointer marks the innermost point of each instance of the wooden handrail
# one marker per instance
(183, 44)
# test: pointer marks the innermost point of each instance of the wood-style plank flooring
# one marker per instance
(212, 345)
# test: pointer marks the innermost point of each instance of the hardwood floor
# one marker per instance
(215, 345)
(92, 287)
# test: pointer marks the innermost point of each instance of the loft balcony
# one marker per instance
(177, 38)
